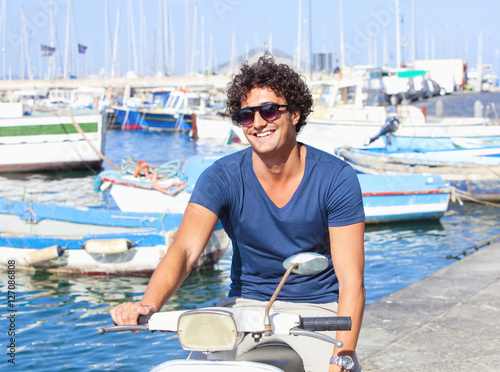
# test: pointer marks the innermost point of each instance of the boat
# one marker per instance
(178, 113)
(140, 187)
(216, 126)
(473, 173)
(386, 198)
(51, 140)
(84, 240)
(447, 134)
(128, 117)
(175, 110)
(348, 110)
(393, 198)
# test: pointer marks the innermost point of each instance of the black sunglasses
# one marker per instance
(268, 112)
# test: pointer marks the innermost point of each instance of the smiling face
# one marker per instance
(270, 136)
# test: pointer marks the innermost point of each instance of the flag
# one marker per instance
(233, 138)
(47, 50)
(81, 48)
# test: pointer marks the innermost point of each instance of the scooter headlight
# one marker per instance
(207, 330)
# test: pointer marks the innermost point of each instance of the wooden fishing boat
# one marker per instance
(392, 198)
(140, 187)
(386, 198)
(91, 240)
(473, 172)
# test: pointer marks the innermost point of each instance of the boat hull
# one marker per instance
(389, 198)
(167, 122)
(88, 239)
(475, 177)
(51, 142)
(129, 118)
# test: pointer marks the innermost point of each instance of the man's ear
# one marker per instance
(295, 117)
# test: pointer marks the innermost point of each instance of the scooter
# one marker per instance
(213, 334)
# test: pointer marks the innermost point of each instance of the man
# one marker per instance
(274, 199)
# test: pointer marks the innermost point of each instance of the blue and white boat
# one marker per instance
(391, 198)
(128, 117)
(91, 240)
(178, 114)
(386, 198)
(142, 188)
(474, 173)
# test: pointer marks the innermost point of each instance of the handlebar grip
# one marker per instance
(143, 319)
(330, 323)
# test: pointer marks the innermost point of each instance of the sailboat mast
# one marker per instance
(188, 39)
(131, 30)
(114, 71)
(299, 36)
(22, 44)
(52, 58)
(341, 35)
(398, 36)
(142, 25)
(413, 32)
(67, 41)
(194, 56)
(171, 36)
(106, 39)
(169, 49)
(161, 44)
(310, 41)
(25, 42)
(203, 61)
(3, 19)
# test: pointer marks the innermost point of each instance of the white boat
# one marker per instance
(342, 117)
(348, 112)
(473, 173)
(386, 198)
(213, 126)
(51, 141)
(168, 191)
(84, 240)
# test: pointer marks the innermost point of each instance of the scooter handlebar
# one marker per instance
(341, 323)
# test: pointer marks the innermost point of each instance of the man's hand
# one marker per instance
(128, 313)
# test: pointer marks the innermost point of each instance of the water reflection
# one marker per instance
(58, 316)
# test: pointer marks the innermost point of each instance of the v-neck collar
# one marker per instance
(295, 194)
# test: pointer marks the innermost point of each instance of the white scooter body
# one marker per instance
(213, 334)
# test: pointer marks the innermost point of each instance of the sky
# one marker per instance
(205, 33)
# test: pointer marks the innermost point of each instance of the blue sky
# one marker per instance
(444, 29)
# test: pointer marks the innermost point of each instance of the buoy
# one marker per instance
(44, 254)
(169, 237)
(107, 246)
(105, 185)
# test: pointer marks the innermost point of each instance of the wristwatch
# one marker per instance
(344, 361)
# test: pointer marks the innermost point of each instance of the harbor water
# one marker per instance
(58, 315)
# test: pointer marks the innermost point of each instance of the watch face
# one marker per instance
(347, 362)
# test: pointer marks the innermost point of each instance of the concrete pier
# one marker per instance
(449, 321)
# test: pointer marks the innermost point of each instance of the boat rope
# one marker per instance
(172, 189)
(474, 248)
(457, 196)
(80, 130)
(169, 169)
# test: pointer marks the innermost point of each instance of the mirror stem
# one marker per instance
(267, 319)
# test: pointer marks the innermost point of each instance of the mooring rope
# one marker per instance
(474, 248)
(457, 196)
(80, 130)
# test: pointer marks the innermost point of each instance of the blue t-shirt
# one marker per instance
(263, 235)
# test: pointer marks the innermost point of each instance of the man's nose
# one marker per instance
(258, 121)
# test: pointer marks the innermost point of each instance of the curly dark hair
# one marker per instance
(280, 78)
